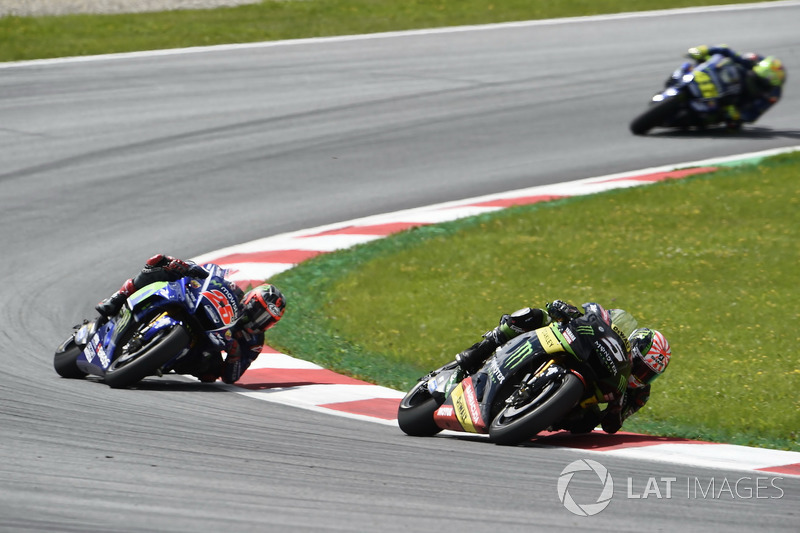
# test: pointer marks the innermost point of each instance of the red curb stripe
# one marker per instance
(385, 408)
(270, 349)
(269, 256)
(376, 229)
(522, 200)
(271, 378)
(660, 176)
(792, 470)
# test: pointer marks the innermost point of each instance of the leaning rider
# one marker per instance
(762, 82)
(649, 352)
(262, 308)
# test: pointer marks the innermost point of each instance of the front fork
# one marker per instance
(533, 383)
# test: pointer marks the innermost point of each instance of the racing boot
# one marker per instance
(733, 118)
(471, 359)
(112, 305)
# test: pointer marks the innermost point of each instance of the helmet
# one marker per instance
(650, 354)
(263, 307)
(771, 69)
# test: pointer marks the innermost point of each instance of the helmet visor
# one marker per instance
(259, 314)
(641, 373)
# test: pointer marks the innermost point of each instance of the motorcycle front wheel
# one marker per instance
(656, 115)
(519, 422)
(136, 364)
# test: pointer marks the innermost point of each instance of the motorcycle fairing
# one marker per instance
(469, 401)
(211, 301)
(710, 85)
(461, 411)
(100, 343)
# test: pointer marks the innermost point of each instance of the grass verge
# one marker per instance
(711, 261)
(23, 38)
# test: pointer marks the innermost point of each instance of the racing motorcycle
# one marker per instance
(534, 382)
(163, 327)
(694, 96)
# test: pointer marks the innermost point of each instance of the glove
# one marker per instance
(698, 53)
(613, 416)
(175, 268)
(562, 311)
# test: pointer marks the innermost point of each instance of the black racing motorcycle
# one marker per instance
(536, 381)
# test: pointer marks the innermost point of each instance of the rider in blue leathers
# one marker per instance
(763, 79)
(262, 308)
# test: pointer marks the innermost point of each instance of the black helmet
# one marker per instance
(263, 308)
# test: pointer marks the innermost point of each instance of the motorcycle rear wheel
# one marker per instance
(515, 424)
(64, 361)
(655, 115)
(132, 368)
(415, 413)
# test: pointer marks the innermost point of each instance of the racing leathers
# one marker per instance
(241, 351)
(756, 95)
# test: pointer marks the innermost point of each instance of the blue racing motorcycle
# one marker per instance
(164, 327)
(694, 96)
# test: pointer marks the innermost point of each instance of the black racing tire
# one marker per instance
(415, 413)
(546, 408)
(65, 359)
(126, 371)
(655, 115)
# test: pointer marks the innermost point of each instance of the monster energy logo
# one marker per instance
(518, 355)
(585, 330)
(124, 318)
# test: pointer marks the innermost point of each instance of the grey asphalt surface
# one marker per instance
(103, 163)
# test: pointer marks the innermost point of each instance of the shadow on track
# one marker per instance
(596, 440)
(166, 383)
(747, 133)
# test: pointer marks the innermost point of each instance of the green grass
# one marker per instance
(711, 261)
(24, 38)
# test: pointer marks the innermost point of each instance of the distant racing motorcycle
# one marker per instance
(164, 327)
(537, 380)
(694, 97)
